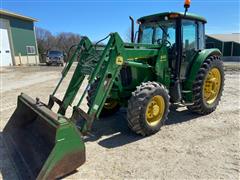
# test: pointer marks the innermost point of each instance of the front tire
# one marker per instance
(148, 108)
(208, 86)
(110, 107)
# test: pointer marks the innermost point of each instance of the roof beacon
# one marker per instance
(187, 5)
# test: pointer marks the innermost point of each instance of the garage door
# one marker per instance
(5, 51)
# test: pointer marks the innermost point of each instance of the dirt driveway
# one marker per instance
(187, 147)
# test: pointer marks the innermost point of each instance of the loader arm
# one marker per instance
(104, 67)
(55, 144)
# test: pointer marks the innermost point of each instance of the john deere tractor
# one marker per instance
(166, 63)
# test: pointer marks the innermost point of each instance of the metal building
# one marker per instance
(17, 39)
(228, 44)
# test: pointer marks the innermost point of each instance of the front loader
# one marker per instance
(167, 65)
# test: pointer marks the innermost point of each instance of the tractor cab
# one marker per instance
(182, 34)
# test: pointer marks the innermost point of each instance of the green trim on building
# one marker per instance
(18, 16)
(228, 48)
(236, 49)
(22, 35)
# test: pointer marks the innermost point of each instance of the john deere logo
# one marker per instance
(119, 60)
(163, 57)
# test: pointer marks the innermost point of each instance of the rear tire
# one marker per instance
(208, 86)
(148, 108)
(110, 107)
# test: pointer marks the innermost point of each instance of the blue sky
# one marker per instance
(97, 18)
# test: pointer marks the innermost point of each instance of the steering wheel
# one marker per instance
(166, 42)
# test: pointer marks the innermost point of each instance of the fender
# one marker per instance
(197, 63)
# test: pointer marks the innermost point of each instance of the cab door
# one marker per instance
(189, 45)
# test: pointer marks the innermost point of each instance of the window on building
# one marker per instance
(31, 50)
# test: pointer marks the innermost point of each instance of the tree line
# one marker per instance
(62, 42)
(47, 41)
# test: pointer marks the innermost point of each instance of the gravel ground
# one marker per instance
(187, 147)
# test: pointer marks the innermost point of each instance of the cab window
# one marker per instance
(166, 31)
(155, 33)
(171, 34)
(158, 35)
(201, 36)
(147, 35)
(189, 34)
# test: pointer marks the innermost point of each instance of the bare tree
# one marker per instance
(45, 41)
(66, 40)
(62, 41)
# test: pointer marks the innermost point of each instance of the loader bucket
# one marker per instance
(41, 143)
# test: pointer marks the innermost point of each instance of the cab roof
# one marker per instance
(171, 15)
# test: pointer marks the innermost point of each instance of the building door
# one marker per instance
(5, 50)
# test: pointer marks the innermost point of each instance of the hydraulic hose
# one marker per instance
(102, 40)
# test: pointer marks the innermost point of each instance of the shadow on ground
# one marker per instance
(109, 132)
(116, 127)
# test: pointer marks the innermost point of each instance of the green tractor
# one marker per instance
(167, 65)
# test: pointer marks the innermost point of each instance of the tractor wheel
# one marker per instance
(208, 86)
(148, 108)
(110, 107)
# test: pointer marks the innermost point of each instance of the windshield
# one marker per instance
(55, 53)
(154, 33)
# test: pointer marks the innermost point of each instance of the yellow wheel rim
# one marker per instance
(212, 84)
(155, 110)
(110, 104)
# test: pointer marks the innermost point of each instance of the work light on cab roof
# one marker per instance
(187, 5)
